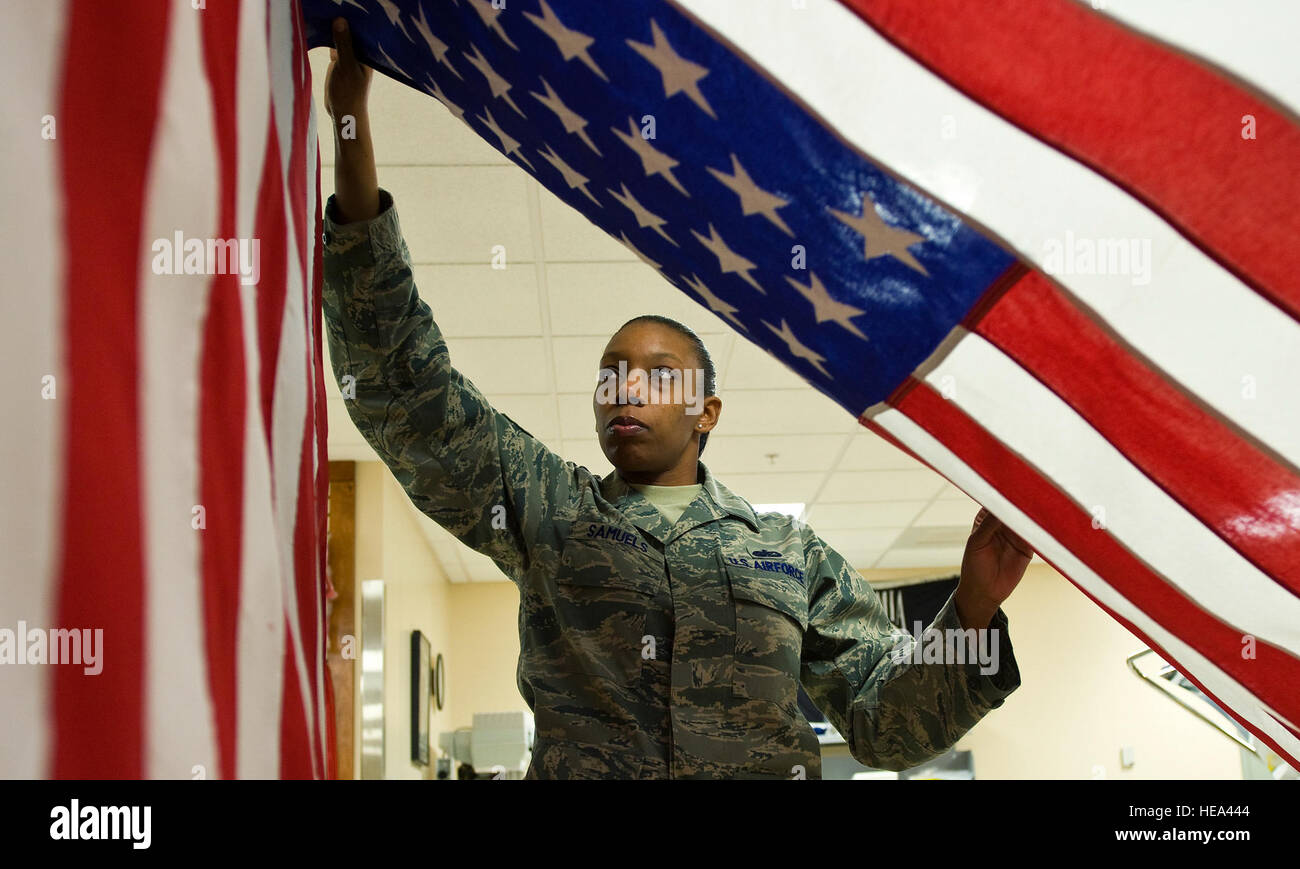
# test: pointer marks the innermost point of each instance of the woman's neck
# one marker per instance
(686, 475)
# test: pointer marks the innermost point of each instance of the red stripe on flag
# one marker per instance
(222, 409)
(108, 115)
(1072, 527)
(307, 575)
(297, 181)
(272, 286)
(1164, 127)
(1242, 494)
(272, 224)
(295, 744)
(299, 743)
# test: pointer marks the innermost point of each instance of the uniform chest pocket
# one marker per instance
(601, 598)
(771, 617)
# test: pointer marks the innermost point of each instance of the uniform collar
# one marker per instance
(715, 501)
(726, 499)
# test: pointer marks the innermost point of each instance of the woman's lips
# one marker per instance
(626, 426)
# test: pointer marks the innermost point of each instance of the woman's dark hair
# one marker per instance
(701, 352)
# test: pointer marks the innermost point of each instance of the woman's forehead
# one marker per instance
(651, 341)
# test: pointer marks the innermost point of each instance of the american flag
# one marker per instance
(1048, 249)
(164, 470)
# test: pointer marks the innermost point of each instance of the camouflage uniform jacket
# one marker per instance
(648, 649)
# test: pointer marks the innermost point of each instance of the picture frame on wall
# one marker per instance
(420, 689)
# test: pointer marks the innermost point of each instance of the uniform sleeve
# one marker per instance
(464, 464)
(867, 676)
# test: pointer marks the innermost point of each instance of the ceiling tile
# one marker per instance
(480, 301)
(719, 344)
(535, 414)
(881, 486)
(569, 236)
(865, 540)
(782, 411)
(881, 514)
(751, 367)
(942, 557)
(577, 359)
(870, 452)
(861, 558)
(952, 493)
(461, 214)
(949, 512)
(502, 365)
(772, 488)
(729, 452)
(577, 419)
(933, 536)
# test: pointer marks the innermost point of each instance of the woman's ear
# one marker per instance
(709, 414)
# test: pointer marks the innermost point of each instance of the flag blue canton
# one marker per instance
(670, 142)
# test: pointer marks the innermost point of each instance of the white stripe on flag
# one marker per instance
(280, 18)
(178, 714)
(289, 401)
(1050, 435)
(261, 608)
(1031, 195)
(1188, 660)
(288, 417)
(312, 323)
(261, 594)
(253, 106)
(32, 304)
(1255, 40)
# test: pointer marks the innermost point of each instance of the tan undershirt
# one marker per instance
(672, 501)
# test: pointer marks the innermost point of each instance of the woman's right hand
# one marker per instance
(347, 86)
(347, 80)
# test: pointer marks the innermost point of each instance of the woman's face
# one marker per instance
(649, 399)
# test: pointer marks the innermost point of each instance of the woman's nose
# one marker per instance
(637, 390)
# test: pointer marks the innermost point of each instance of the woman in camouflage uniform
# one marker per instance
(665, 627)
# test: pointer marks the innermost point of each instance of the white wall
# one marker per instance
(1078, 702)
(391, 547)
